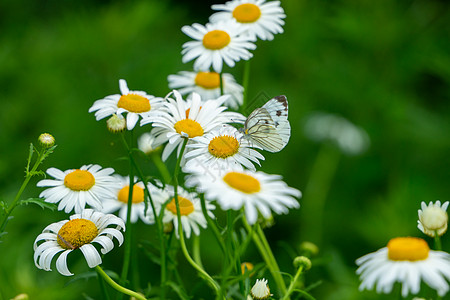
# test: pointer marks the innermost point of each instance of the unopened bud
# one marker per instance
(116, 123)
(302, 261)
(47, 140)
(309, 249)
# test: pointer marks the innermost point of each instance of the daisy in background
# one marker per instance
(75, 188)
(433, 218)
(221, 149)
(406, 260)
(183, 120)
(259, 18)
(255, 191)
(215, 44)
(147, 143)
(192, 217)
(133, 103)
(79, 233)
(120, 202)
(207, 85)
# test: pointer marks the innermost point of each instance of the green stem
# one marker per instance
(162, 168)
(202, 272)
(102, 287)
(293, 282)
(196, 250)
(212, 225)
(245, 81)
(437, 241)
(221, 83)
(22, 187)
(316, 192)
(127, 250)
(116, 286)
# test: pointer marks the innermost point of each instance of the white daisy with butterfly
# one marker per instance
(268, 126)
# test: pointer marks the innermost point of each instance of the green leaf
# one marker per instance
(40, 202)
(180, 292)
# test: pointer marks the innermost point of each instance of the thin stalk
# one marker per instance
(127, 250)
(207, 277)
(116, 286)
(221, 83)
(245, 81)
(102, 287)
(293, 282)
(212, 225)
(437, 241)
(196, 250)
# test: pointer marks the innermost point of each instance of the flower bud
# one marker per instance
(116, 123)
(47, 140)
(309, 249)
(433, 218)
(302, 261)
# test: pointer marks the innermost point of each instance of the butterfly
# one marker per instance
(268, 126)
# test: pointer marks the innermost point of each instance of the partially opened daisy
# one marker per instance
(147, 143)
(120, 202)
(215, 44)
(406, 260)
(80, 232)
(221, 149)
(192, 217)
(184, 120)
(207, 85)
(260, 291)
(75, 188)
(255, 191)
(433, 218)
(258, 17)
(133, 103)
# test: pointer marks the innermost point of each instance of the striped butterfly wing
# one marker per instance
(260, 129)
(278, 109)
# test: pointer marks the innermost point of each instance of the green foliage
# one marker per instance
(40, 202)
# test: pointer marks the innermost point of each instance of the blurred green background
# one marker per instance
(384, 65)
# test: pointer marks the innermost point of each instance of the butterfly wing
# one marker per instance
(277, 108)
(260, 129)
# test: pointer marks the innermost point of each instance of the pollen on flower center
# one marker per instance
(242, 182)
(246, 13)
(216, 39)
(134, 103)
(223, 146)
(407, 248)
(76, 233)
(138, 194)
(190, 127)
(208, 80)
(79, 180)
(185, 205)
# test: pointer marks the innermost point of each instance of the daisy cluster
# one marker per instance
(195, 121)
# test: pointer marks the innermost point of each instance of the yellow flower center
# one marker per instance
(76, 233)
(79, 180)
(138, 194)
(216, 39)
(134, 103)
(242, 182)
(246, 13)
(407, 248)
(208, 80)
(190, 127)
(246, 266)
(185, 205)
(223, 146)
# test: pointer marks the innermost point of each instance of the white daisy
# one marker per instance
(255, 191)
(79, 233)
(221, 149)
(260, 290)
(207, 85)
(183, 121)
(77, 187)
(147, 143)
(134, 103)
(433, 218)
(216, 43)
(121, 201)
(259, 18)
(406, 260)
(190, 210)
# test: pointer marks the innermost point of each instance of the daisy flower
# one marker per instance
(192, 217)
(207, 85)
(259, 18)
(406, 260)
(147, 143)
(79, 233)
(134, 103)
(255, 191)
(75, 188)
(216, 43)
(182, 121)
(120, 202)
(260, 290)
(433, 218)
(222, 148)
